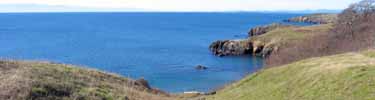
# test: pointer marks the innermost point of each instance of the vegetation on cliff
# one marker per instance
(265, 44)
(282, 37)
(353, 31)
(347, 76)
(263, 40)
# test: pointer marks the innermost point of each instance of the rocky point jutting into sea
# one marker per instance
(258, 46)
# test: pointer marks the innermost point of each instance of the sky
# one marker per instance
(171, 5)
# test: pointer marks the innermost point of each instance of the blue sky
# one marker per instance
(170, 5)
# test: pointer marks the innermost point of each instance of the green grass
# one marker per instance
(285, 35)
(21, 80)
(348, 76)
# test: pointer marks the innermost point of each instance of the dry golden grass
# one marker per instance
(22, 80)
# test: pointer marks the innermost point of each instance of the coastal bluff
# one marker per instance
(263, 40)
(246, 46)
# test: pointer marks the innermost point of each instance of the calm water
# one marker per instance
(161, 47)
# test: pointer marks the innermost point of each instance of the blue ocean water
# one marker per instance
(163, 48)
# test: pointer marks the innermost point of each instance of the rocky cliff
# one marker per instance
(265, 44)
(239, 47)
(230, 47)
(263, 40)
(245, 46)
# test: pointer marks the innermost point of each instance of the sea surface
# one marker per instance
(163, 48)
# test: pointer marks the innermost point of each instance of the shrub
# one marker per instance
(354, 30)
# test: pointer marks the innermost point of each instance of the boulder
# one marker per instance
(145, 86)
(210, 93)
(126, 98)
(142, 82)
(201, 67)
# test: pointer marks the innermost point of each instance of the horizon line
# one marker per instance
(150, 11)
(40, 8)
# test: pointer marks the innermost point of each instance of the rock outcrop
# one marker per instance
(201, 67)
(230, 47)
(315, 18)
(262, 49)
(261, 44)
(259, 30)
(142, 82)
(239, 47)
(245, 46)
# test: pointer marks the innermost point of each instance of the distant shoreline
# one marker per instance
(286, 12)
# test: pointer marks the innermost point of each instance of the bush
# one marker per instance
(354, 30)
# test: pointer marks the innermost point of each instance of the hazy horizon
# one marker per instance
(62, 9)
(173, 5)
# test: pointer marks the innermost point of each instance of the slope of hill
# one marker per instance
(347, 76)
(21, 80)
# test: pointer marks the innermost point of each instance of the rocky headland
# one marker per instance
(245, 46)
(263, 40)
(315, 18)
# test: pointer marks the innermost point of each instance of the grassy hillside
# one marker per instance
(348, 76)
(48, 81)
(284, 36)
